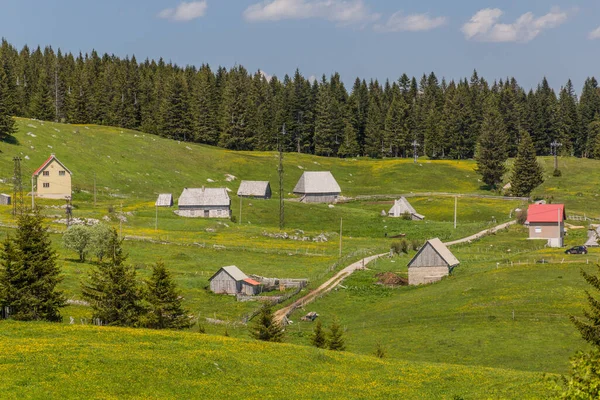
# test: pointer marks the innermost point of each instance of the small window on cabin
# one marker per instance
(46, 184)
(538, 230)
(61, 173)
(46, 173)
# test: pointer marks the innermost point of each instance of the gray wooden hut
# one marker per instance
(231, 280)
(255, 189)
(317, 187)
(204, 203)
(402, 207)
(431, 263)
(5, 199)
(164, 200)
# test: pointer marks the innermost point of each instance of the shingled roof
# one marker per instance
(204, 197)
(253, 188)
(232, 271)
(314, 182)
(164, 200)
(441, 249)
(403, 206)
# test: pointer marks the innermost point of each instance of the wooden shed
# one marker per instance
(5, 199)
(255, 189)
(231, 280)
(547, 221)
(317, 187)
(164, 200)
(204, 203)
(402, 207)
(431, 263)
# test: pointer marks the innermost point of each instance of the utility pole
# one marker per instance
(241, 209)
(341, 237)
(455, 209)
(69, 211)
(280, 170)
(32, 194)
(554, 150)
(18, 203)
(415, 144)
(56, 92)
(156, 219)
(121, 223)
(94, 189)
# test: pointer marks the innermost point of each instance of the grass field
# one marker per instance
(501, 318)
(56, 362)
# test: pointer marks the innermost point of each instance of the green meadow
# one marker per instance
(490, 330)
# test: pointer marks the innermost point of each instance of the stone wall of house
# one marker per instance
(424, 275)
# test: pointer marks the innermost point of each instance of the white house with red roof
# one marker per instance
(52, 180)
(547, 221)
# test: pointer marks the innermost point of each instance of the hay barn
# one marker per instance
(255, 189)
(317, 187)
(431, 263)
(231, 280)
(204, 203)
(402, 207)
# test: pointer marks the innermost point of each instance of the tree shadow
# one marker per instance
(11, 140)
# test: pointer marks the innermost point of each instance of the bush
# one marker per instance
(233, 219)
(380, 351)
(406, 216)
(396, 247)
(404, 246)
(557, 173)
(415, 245)
(521, 217)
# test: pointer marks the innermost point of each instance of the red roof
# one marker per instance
(45, 164)
(546, 213)
(251, 282)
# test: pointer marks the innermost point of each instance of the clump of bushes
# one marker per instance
(400, 247)
(406, 216)
(415, 245)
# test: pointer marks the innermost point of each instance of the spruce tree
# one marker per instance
(491, 151)
(29, 275)
(593, 130)
(265, 327)
(165, 310)
(589, 326)
(527, 173)
(175, 116)
(318, 338)
(113, 291)
(336, 337)
(7, 124)
(349, 147)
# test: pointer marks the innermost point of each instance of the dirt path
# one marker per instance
(325, 287)
(340, 276)
(482, 233)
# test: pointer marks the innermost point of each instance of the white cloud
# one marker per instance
(339, 11)
(185, 11)
(399, 22)
(595, 34)
(484, 26)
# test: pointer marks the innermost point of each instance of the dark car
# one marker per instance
(577, 250)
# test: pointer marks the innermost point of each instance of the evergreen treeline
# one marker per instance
(239, 110)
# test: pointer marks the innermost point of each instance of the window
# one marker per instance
(46, 173)
(61, 173)
(46, 184)
(538, 230)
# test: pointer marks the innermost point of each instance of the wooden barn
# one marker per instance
(547, 221)
(402, 207)
(231, 280)
(317, 187)
(5, 199)
(164, 200)
(204, 203)
(255, 189)
(52, 179)
(431, 263)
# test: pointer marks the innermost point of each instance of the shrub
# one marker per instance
(404, 246)
(336, 336)
(318, 338)
(521, 216)
(380, 351)
(233, 219)
(557, 173)
(396, 247)
(415, 245)
(406, 216)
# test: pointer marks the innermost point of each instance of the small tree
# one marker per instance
(336, 336)
(100, 239)
(589, 327)
(527, 173)
(318, 338)
(77, 238)
(380, 351)
(28, 273)
(265, 327)
(164, 302)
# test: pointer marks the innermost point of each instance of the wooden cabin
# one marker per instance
(431, 263)
(317, 187)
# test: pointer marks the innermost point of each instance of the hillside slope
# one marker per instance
(57, 362)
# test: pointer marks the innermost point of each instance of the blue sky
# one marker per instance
(527, 39)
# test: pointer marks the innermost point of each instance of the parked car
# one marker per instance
(577, 250)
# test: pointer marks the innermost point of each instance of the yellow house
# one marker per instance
(53, 179)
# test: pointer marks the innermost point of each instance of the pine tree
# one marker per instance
(42, 104)
(29, 275)
(527, 173)
(318, 338)
(593, 132)
(265, 327)
(374, 145)
(491, 151)
(396, 129)
(175, 116)
(336, 337)
(165, 310)
(349, 147)
(112, 289)
(7, 124)
(589, 326)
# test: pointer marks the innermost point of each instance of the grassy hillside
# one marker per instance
(57, 362)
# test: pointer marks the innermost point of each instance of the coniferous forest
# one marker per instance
(240, 110)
